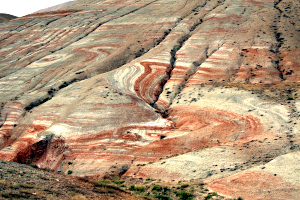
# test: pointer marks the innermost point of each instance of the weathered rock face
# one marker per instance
(109, 85)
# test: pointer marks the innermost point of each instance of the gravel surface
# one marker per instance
(18, 181)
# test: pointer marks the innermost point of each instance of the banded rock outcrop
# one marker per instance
(111, 86)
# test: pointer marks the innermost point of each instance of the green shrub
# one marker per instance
(209, 196)
(157, 188)
(165, 189)
(70, 171)
(117, 180)
(137, 188)
(132, 188)
(184, 186)
(183, 195)
(34, 166)
(140, 189)
(103, 182)
(162, 197)
(150, 179)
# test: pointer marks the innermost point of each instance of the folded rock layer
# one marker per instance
(146, 88)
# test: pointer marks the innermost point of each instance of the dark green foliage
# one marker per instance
(140, 189)
(161, 189)
(183, 195)
(209, 196)
(240, 198)
(184, 186)
(65, 84)
(201, 184)
(165, 189)
(70, 171)
(137, 188)
(36, 103)
(157, 188)
(162, 197)
(103, 182)
(117, 180)
(132, 188)
(34, 166)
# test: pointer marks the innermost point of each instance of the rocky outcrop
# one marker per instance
(154, 88)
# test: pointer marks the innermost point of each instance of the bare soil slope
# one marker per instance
(24, 182)
(201, 90)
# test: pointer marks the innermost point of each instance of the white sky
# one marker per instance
(20, 8)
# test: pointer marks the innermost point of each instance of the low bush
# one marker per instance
(184, 186)
(34, 166)
(157, 188)
(183, 195)
(117, 180)
(137, 188)
(162, 197)
(103, 182)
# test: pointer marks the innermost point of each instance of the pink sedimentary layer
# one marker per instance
(88, 80)
(222, 49)
(9, 117)
(195, 129)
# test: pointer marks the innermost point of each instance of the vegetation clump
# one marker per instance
(103, 182)
(137, 189)
(184, 195)
(34, 166)
(184, 186)
(156, 188)
(117, 180)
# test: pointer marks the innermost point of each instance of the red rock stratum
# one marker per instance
(176, 89)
